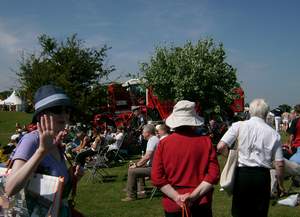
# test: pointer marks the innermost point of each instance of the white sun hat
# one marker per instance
(184, 114)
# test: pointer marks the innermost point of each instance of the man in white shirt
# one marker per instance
(259, 145)
(117, 139)
(142, 168)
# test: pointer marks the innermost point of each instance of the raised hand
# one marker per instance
(46, 133)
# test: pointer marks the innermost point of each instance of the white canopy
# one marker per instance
(133, 82)
(13, 100)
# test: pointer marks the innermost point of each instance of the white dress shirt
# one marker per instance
(117, 144)
(259, 144)
(151, 146)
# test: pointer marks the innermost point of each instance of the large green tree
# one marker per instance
(70, 65)
(197, 72)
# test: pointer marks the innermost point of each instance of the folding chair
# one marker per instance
(117, 151)
(113, 155)
(153, 192)
(96, 167)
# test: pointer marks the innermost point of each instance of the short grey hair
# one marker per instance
(149, 128)
(259, 108)
(162, 127)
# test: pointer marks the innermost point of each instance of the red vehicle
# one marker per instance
(122, 96)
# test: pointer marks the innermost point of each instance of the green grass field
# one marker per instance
(96, 199)
(104, 199)
(8, 122)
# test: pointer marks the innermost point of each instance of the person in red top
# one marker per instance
(185, 165)
(294, 138)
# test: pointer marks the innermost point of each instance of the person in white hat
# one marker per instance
(185, 165)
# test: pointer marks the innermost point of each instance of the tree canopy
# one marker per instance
(285, 108)
(197, 72)
(4, 94)
(70, 65)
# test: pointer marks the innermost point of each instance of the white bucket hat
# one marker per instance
(184, 114)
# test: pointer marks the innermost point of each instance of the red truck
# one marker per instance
(122, 96)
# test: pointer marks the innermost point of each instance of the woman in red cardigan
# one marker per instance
(185, 165)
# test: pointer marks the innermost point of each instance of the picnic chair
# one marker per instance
(97, 165)
(153, 192)
(116, 152)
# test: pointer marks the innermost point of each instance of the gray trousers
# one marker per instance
(132, 180)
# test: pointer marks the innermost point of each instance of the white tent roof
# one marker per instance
(13, 99)
(133, 82)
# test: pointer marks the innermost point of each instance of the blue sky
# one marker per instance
(261, 37)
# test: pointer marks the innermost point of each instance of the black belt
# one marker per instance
(254, 169)
(179, 187)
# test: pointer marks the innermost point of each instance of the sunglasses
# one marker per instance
(57, 110)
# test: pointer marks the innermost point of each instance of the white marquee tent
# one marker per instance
(13, 100)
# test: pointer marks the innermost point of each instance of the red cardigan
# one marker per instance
(185, 160)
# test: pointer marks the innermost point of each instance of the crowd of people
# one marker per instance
(177, 155)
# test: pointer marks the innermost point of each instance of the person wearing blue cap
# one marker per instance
(40, 151)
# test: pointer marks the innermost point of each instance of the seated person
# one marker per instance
(292, 152)
(291, 168)
(142, 168)
(162, 131)
(294, 135)
(117, 139)
(80, 159)
(108, 135)
(84, 142)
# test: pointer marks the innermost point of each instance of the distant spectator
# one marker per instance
(162, 131)
(84, 142)
(142, 168)
(81, 157)
(138, 120)
(294, 135)
(277, 117)
(285, 120)
(117, 139)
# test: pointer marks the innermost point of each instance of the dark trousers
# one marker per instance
(195, 211)
(251, 193)
(80, 158)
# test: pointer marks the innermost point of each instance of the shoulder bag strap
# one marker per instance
(236, 146)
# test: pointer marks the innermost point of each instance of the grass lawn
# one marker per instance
(104, 199)
(96, 199)
(8, 122)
